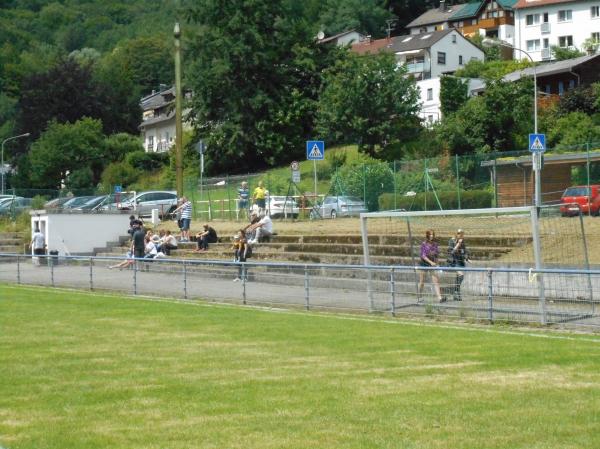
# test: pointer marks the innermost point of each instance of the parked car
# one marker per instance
(77, 201)
(57, 203)
(144, 202)
(93, 204)
(14, 205)
(338, 206)
(279, 206)
(580, 198)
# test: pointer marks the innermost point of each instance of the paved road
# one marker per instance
(515, 296)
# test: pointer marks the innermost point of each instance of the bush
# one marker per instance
(469, 199)
(365, 180)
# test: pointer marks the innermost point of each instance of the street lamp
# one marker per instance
(535, 157)
(2, 160)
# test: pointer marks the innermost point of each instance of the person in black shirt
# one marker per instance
(458, 256)
(209, 235)
(138, 244)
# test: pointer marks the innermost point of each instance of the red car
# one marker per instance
(578, 198)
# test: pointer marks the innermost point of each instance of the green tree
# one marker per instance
(454, 92)
(562, 53)
(254, 68)
(369, 101)
(70, 153)
(366, 180)
(572, 131)
(499, 120)
(367, 16)
(491, 70)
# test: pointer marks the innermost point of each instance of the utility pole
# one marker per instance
(178, 100)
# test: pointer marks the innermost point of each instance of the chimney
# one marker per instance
(442, 5)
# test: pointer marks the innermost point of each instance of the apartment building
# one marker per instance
(542, 24)
(489, 18)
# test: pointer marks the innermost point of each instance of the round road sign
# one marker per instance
(295, 165)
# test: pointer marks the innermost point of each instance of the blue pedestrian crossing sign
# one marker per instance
(315, 150)
(537, 143)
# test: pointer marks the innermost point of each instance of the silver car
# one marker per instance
(143, 203)
(338, 206)
(281, 206)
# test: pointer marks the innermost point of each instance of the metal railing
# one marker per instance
(488, 294)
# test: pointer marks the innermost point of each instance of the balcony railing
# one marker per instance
(546, 53)
(545, 27)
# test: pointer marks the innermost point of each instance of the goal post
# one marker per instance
(497, 238)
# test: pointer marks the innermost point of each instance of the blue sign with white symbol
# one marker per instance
(118, 189)
(315, 150)
(537, 143)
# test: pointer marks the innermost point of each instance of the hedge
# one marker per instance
(469, 199)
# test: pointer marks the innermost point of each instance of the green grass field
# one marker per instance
(79, 370)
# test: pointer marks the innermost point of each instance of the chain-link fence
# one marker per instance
(490, 294)
(440, 183)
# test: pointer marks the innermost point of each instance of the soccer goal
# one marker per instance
(498, 239)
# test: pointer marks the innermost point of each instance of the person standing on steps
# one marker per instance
(243, 198)
(458, 256)
(429, 258)
(138, 243)
(259, 196)
(186, 218)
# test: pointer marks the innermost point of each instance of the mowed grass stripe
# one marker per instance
(85, 371)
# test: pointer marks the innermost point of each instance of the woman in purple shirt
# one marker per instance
(429, 256)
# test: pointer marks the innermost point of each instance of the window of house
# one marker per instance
(533, 45)
(454, 38)
(595, 37)
(150, 145)
(565, 15)
(561, 88)
(532, 19)
(546, 43)
(548, 89)
(429, 94)
(571, 84)
(441, 58)
(473, 21)
(545, 17)
(430, 118)
(595, 12)
(460, 60)
(565, 41)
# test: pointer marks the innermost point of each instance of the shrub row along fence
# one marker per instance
(446, 182)
(490, 294)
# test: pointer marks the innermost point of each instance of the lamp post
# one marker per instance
(535, 157)
(2, 157)
(178, 124)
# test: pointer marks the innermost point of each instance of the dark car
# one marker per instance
(580, 198)
(14, 205)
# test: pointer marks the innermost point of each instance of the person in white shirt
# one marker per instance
(264, 228)
(38, 244)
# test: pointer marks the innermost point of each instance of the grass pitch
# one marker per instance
(90, 371)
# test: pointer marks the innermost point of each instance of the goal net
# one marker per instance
(508, 241)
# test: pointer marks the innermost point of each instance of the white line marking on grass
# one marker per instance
(546, 333)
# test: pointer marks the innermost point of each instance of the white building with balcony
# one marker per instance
(542, 24)
(429, 91)
(158, 121)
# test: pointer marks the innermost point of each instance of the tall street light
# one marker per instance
(535, 157)
(178, 124)
(2, 160)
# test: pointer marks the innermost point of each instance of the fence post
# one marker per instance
(537, 252)
(135, 269)
(184, 280)
(243, 282)
(457, 180)
(395, 187)
(18, 269)
(587, 150)
(306, 289)
(364, 173)
(91, 274)
(393, 291)
(490, 297)
(51, 269)
(228, 197)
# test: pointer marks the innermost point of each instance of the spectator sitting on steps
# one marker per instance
(209, 235)
(264, 228)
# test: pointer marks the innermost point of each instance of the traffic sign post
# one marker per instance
(537, 146)
(315, 151)
(295, 167)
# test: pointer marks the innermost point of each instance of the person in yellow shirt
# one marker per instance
(259, 196)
